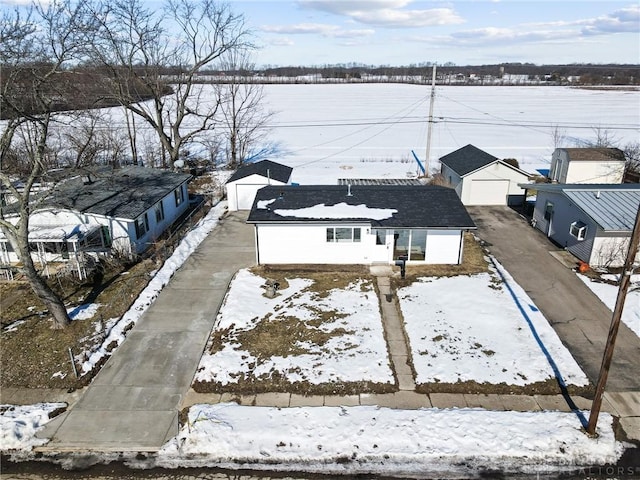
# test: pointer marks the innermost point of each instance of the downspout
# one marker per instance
(255, 226)
(461, 248)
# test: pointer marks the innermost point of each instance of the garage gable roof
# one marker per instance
(467, 159)
(264, 168)
(595, 154)
(612, 207)
(395, 206)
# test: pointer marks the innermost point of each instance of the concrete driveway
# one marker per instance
(579, 317)
(132, 404)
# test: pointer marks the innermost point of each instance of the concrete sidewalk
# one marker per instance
(132, 404)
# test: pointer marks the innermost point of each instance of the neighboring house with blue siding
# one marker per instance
(102, 211)
(592, 221)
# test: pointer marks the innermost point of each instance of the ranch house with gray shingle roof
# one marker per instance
(358, 224)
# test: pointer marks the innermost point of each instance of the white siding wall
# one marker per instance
(443, 246)
(242, 192)
(308, 244)
(494, 185)
(595, 172)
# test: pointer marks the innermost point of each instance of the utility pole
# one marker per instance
(615, 323)
(430, 124)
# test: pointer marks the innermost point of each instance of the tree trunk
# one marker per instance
(43, 291)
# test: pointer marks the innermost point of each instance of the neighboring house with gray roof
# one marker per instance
(592, 221)
(587, 165)
(479, 178)
(359, 224)
(98, 211)
(248, 179)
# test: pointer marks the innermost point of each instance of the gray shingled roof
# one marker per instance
(124, 193)
(264, 168)
(423, 206)
(467, 159)
(595, 154)
(612, 207)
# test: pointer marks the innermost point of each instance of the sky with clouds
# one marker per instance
(471, 32)
(402, 32)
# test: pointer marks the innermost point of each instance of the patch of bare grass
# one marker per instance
(548, 387)
(33, 355)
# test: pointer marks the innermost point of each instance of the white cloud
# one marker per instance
(323, 29)
(281, 42)
(385, 13)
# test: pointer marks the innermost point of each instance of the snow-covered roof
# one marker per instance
(401, 206)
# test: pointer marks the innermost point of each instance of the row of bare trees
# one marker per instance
(92, 53)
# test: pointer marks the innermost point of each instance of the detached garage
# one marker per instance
(482, 179)
(248, 179)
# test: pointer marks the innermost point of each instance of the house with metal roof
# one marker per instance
(479, 178)
(587, 165)
(101, 211)
(592, 221)
(359, 224)
(248, 179)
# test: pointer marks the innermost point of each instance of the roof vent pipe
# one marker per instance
(349, 190)
(598, 194)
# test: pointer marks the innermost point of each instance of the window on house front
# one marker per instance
(179, 196)
(159, 212)
(578, 229)
(342, 234)
(142, 225)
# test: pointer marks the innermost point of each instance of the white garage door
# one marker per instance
(489, 192)
(246, 194)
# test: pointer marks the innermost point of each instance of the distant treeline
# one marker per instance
(583, 74)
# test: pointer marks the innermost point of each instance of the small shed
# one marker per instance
(359, 224)
(592, 221)
(248, 179)
(587, 165)
(479, 178)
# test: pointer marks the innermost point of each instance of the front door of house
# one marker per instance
(380, 251)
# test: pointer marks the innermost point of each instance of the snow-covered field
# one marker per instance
(608, 294)
(470, 329)
(348, 346)
(374, 440)
(349, 131)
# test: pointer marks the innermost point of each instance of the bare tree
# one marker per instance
(35, 49)
(137, 52)
(243, 117)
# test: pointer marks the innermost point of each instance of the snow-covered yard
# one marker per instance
(480, 330)
(608, 293)
(301, 340)
(20, 423)
(374, 440)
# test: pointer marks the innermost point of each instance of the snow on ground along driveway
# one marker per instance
(358, 440)
(301, 336)
(470, 329)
